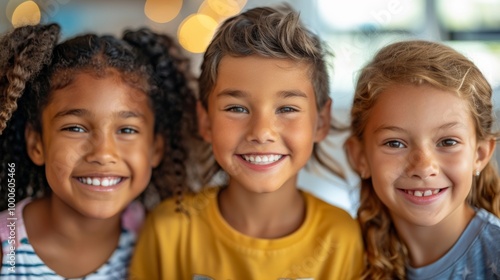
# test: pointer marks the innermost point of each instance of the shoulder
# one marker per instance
(491, 227)
(488, 218)
(337, 231)
(485, 228)
(325, 208)
(165, 223)
(329, 215)
(163, 211)
(476, 251)
(191, 206)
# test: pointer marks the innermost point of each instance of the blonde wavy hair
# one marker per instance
(417, 62)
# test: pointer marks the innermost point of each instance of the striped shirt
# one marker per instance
(20, 261)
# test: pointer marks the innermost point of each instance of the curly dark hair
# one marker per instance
(33, 65)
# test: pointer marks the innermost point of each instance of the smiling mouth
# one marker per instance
(261, 159)
(422, 193)
(100, 181)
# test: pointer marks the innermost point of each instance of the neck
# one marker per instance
(67, 241)
(262, 215)
(427, 244)
(60, 221)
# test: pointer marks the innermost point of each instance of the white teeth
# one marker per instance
(422, 193)
(103, 182)
(262, 160)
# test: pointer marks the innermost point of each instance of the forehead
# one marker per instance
(99, 93)
(260, 74)
(418, 107)
(61, 78)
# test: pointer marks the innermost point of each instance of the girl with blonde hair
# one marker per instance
(422, 141)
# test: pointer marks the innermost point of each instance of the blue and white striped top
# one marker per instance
(27, 265)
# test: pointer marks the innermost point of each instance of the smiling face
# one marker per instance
(420, 149)
(97, 144)
(262, 121)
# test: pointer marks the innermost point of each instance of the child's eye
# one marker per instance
(127, 130)
(286, 110)
(395, 144)
(236, 109)
(74, 128)
(447, 143)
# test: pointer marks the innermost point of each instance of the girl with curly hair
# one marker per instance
(86, 126)
(422, 141)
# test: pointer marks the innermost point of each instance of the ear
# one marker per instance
(34, 145)
(204, 127)
(484, 152)
(158, 150)
(357, 157)
(323, 125)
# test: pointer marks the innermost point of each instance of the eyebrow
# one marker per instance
(292, 93)
(402, 130)
(231, 93)
(87, 113)
(73, 112)
(389, 128)
(451, 125)
(240, 94)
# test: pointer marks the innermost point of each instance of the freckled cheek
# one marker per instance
(386, 170)
(385, 177)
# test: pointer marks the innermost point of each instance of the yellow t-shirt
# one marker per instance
(203, 246)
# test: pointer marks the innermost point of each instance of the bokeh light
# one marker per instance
(26, 13)
(226, 8)
(205, 9)
(162, 11)
(195, 32)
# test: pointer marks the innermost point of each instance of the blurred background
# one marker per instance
(354, 30)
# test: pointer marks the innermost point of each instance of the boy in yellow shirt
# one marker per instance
(264, 106)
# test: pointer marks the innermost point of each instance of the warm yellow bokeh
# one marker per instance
(195, 32)
(27, 13)
(162, 11)
(205, 9)
(226, 8)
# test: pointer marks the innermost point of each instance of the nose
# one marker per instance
(102, 149)
(262, 129)
(422, 164)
